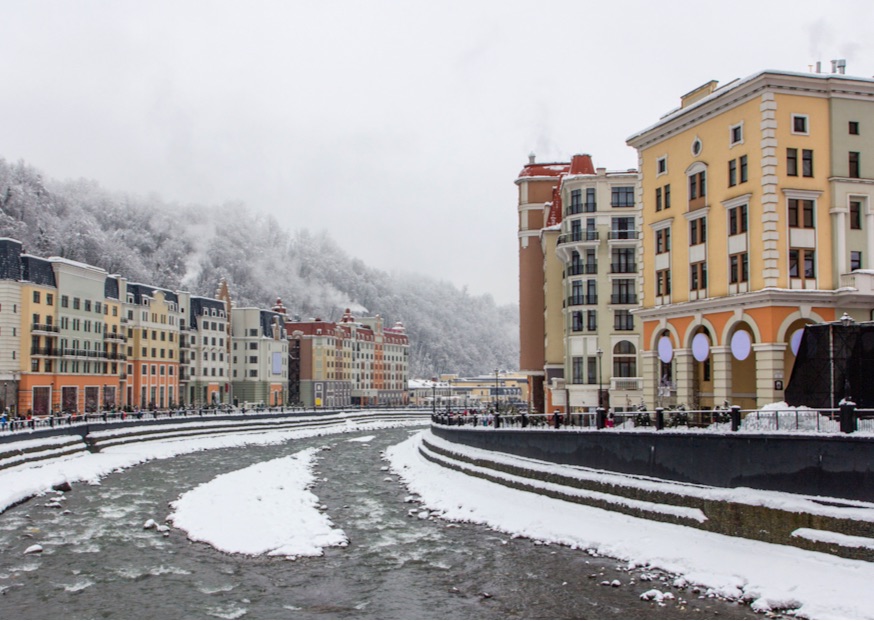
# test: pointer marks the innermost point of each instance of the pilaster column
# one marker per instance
(721, 373)
(650, 361)
(684, 376)
(868, 257)
(841, 242)
(769, 364)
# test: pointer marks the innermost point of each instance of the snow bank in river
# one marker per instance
(769, 576)
(263, 509)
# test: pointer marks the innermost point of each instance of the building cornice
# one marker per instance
(742, 91)
(830, 298)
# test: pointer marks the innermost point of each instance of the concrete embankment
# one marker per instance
(839, 526)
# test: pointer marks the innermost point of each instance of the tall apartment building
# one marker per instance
(259, 357)
(758, 219)
(153, 318)
(205, 363)
(537, 183)
(598, 252)
(577, 285)
(61, 342)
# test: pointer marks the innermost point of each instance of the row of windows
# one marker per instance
(79, 304)
(802, 264)
(581, 321)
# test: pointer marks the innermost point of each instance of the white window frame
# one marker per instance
(731, 141)
(806, 118)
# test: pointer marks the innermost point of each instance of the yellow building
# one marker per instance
(757, 211)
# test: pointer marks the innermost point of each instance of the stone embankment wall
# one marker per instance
(694, 462)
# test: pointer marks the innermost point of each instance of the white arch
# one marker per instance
(792, 318)
(702, 323)
(737, 319)
(657, 333)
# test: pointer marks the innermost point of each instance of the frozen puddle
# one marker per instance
(265, 509)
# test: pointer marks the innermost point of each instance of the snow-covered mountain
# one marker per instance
(193, 246)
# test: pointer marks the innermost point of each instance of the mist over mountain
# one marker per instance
(192, 247)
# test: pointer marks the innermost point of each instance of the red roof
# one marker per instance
(544, 170)
(582, 165)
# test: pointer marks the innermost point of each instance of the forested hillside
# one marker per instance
(193, 246)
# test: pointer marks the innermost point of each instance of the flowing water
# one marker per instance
(99, 563)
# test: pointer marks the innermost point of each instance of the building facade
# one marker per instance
(579, 248)
(259, 357)
(353, 362)
(598, 253)
(757, 208)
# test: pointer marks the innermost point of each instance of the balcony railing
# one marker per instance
(575, 208)
(626, 383)
(623, 298)
(623, 235)
(582, 268)
(578, 237)
(623, 268)
(114, 336)
(44, 327)
(582, 300)
(44, 351)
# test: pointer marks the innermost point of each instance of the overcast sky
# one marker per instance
(398, 127)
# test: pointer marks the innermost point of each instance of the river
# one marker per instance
(98, 561)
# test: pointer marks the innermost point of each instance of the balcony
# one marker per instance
(626, 383)
(623, 268)
(44, 328)
(623, 298)
(582, 300)
(577, 208)
(582, 268)
(580, 237)
(44, 351)
(114, 336)
(623, 235)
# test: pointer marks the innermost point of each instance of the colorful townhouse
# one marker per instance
(356, 361)
(259, 365)
(63, 348)
(758, 220)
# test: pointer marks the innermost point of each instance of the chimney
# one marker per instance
(818, 67)
(531, 157)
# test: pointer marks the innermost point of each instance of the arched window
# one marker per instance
(624, 359)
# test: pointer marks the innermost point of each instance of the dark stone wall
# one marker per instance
(837, 466)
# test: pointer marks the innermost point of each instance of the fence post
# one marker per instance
(660, 418)
(848, 417)
(600, 418)
(735, 417)
(497, 420)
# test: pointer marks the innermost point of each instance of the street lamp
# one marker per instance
(599, 353)
(434, 395)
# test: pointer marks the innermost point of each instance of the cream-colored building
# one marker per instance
(598, 253)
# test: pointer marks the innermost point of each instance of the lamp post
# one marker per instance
(434, 395)
(496, 390)
(599, 353)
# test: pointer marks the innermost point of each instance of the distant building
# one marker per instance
(351, 362)
(259, 365)
(152, 319)
(61, 341)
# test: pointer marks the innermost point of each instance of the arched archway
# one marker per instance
(700, 342)
(743, 390)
